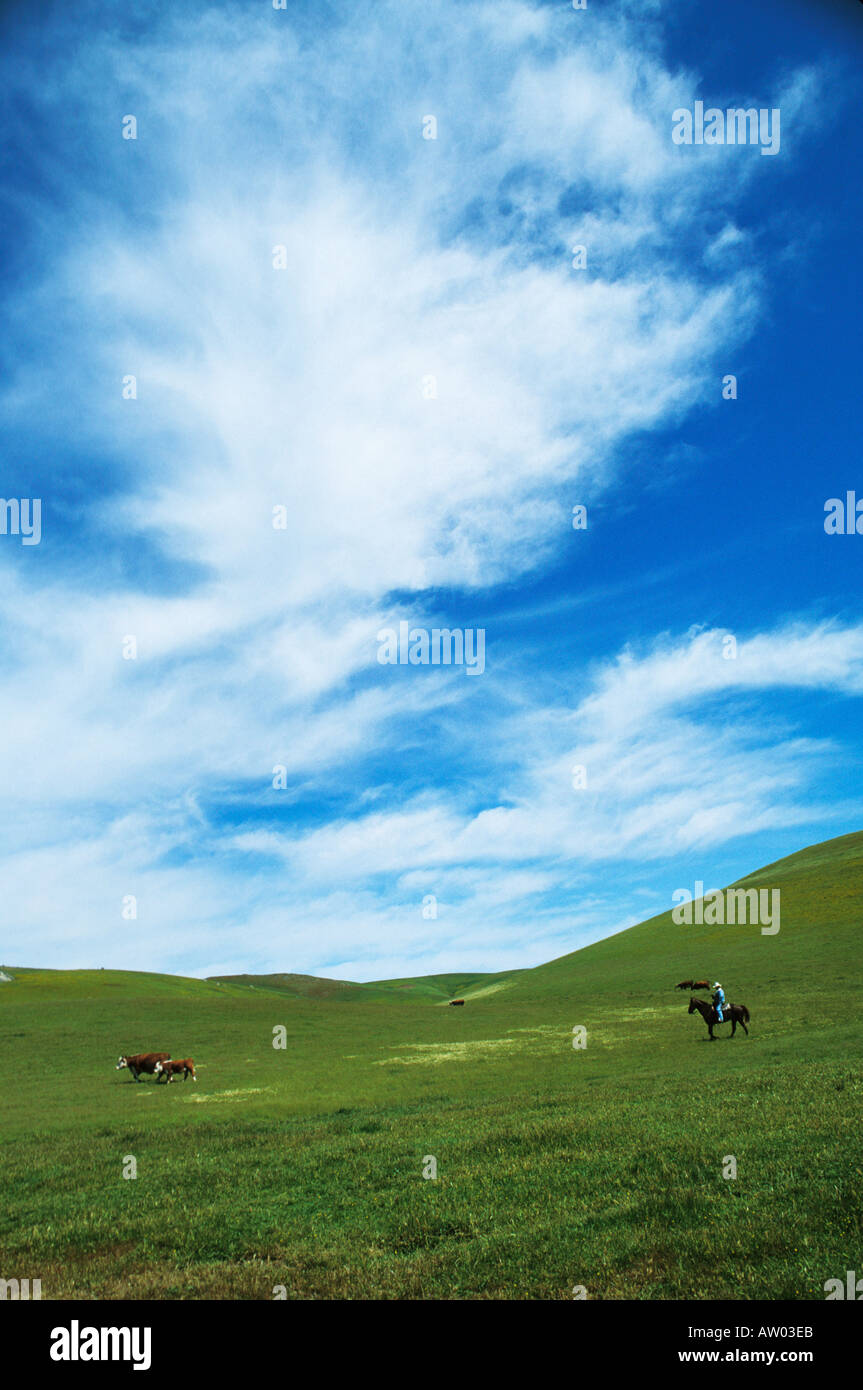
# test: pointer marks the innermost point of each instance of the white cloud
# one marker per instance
(259, 387)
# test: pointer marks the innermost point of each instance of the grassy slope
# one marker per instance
(439, 988)
(556, 1167)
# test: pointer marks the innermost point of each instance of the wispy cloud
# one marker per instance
(304, 388)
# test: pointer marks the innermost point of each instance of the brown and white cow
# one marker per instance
(172, 1069)
(148, 1063)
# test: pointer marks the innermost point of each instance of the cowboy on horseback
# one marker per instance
(716, 1010)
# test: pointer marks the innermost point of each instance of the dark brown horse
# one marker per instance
(731, 1013)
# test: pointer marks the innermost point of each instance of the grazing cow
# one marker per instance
(700, 984)
(150, 1063)
(456, 1001)
(684, 984)
(172, 1069)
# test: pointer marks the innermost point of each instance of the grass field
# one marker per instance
(600, 1167)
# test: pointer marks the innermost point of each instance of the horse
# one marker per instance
(731, 1013)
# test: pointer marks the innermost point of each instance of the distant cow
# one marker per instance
(456, 1001)
(150, 1063)
(684, 984)
(172, 1069)
(700, 984)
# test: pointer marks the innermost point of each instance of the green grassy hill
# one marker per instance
(436, 988)
(603, 1167)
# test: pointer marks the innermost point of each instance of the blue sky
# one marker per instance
(408, 258)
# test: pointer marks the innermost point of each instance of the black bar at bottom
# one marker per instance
(252, 1339)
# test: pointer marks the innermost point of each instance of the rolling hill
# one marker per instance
(302, 1166)
(431, 988)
